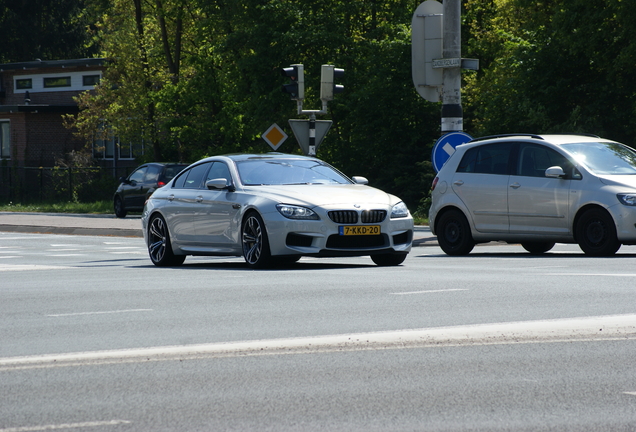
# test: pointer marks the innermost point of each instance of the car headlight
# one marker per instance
(628, 199)
(399, 210)
(296, 212)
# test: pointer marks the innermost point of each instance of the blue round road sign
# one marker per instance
(445, 147)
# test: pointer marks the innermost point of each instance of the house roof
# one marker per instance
(41, 64)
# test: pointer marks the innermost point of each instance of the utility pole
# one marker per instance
(452, 114)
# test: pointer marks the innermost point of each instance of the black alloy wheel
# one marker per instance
(159, 247)
(453, 233)
(120, 210)
(596, 233)
(255, 243)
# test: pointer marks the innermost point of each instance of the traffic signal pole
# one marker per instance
(452, 113)
(315, 129)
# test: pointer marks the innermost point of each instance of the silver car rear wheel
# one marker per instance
(453, 233)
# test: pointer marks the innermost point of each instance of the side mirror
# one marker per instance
(360, 180)
(555, 172)
(219, 183)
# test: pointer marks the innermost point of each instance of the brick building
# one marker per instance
(34, 96)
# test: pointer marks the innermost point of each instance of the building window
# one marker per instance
(5, 140)
(104, 144)
(104, 148)
(130, 150)
(23, 84)
(90, 80)
(53, 82)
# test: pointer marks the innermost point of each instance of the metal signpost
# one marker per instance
(436, 58)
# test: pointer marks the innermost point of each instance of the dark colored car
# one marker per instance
(135, 189)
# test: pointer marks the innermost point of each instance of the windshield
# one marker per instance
(604, 158)
(286, 172)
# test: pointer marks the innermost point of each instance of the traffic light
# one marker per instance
(297, 86)
(328, 75)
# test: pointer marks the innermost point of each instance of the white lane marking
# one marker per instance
(122, 247)
(65, 426)
(65, 245)
(29, 267)
(593, 274)
(428, 291)
(612, 327)
(10, 256)
(99, 312)
(630, 393)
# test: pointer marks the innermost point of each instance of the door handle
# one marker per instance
(515, 185)
(170, 197)
(458, 183)
(199, 199)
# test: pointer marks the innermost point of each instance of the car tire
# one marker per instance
(255, 242)
(596, 233)
(537, 248)
(453, 233)
(159, 246)
(120, 210)
(386, 260)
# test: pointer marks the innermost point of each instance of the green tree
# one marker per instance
(553, 66)
(202, 77)
(44, 29)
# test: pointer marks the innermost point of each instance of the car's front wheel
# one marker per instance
(386, 260)
(537, 248)
(453, 233)
(120, 210)
(159, 247)
(596, 233)
(255, 243)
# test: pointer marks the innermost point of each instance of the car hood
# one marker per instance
(325, 195)
(620, 180)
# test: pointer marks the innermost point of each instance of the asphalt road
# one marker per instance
(93, 337)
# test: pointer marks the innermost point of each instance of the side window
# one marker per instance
(219, 170)
(487, 159)
(180, 181)
(138, 175)
(469, 161)
(535, 159)
(195, 176)
(152, 175)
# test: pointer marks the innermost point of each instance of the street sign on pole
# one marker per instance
(445, 147)
(302, 133)
(426, 46)
(274, 136)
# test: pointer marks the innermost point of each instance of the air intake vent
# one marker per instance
(344, 216)
(373, 216)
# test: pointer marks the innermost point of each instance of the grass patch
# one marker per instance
(99, 207)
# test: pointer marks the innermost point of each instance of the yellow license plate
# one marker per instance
(348, 230)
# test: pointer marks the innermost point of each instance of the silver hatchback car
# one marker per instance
(536, 190)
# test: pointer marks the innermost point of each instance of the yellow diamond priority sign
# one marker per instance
(274, 136)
